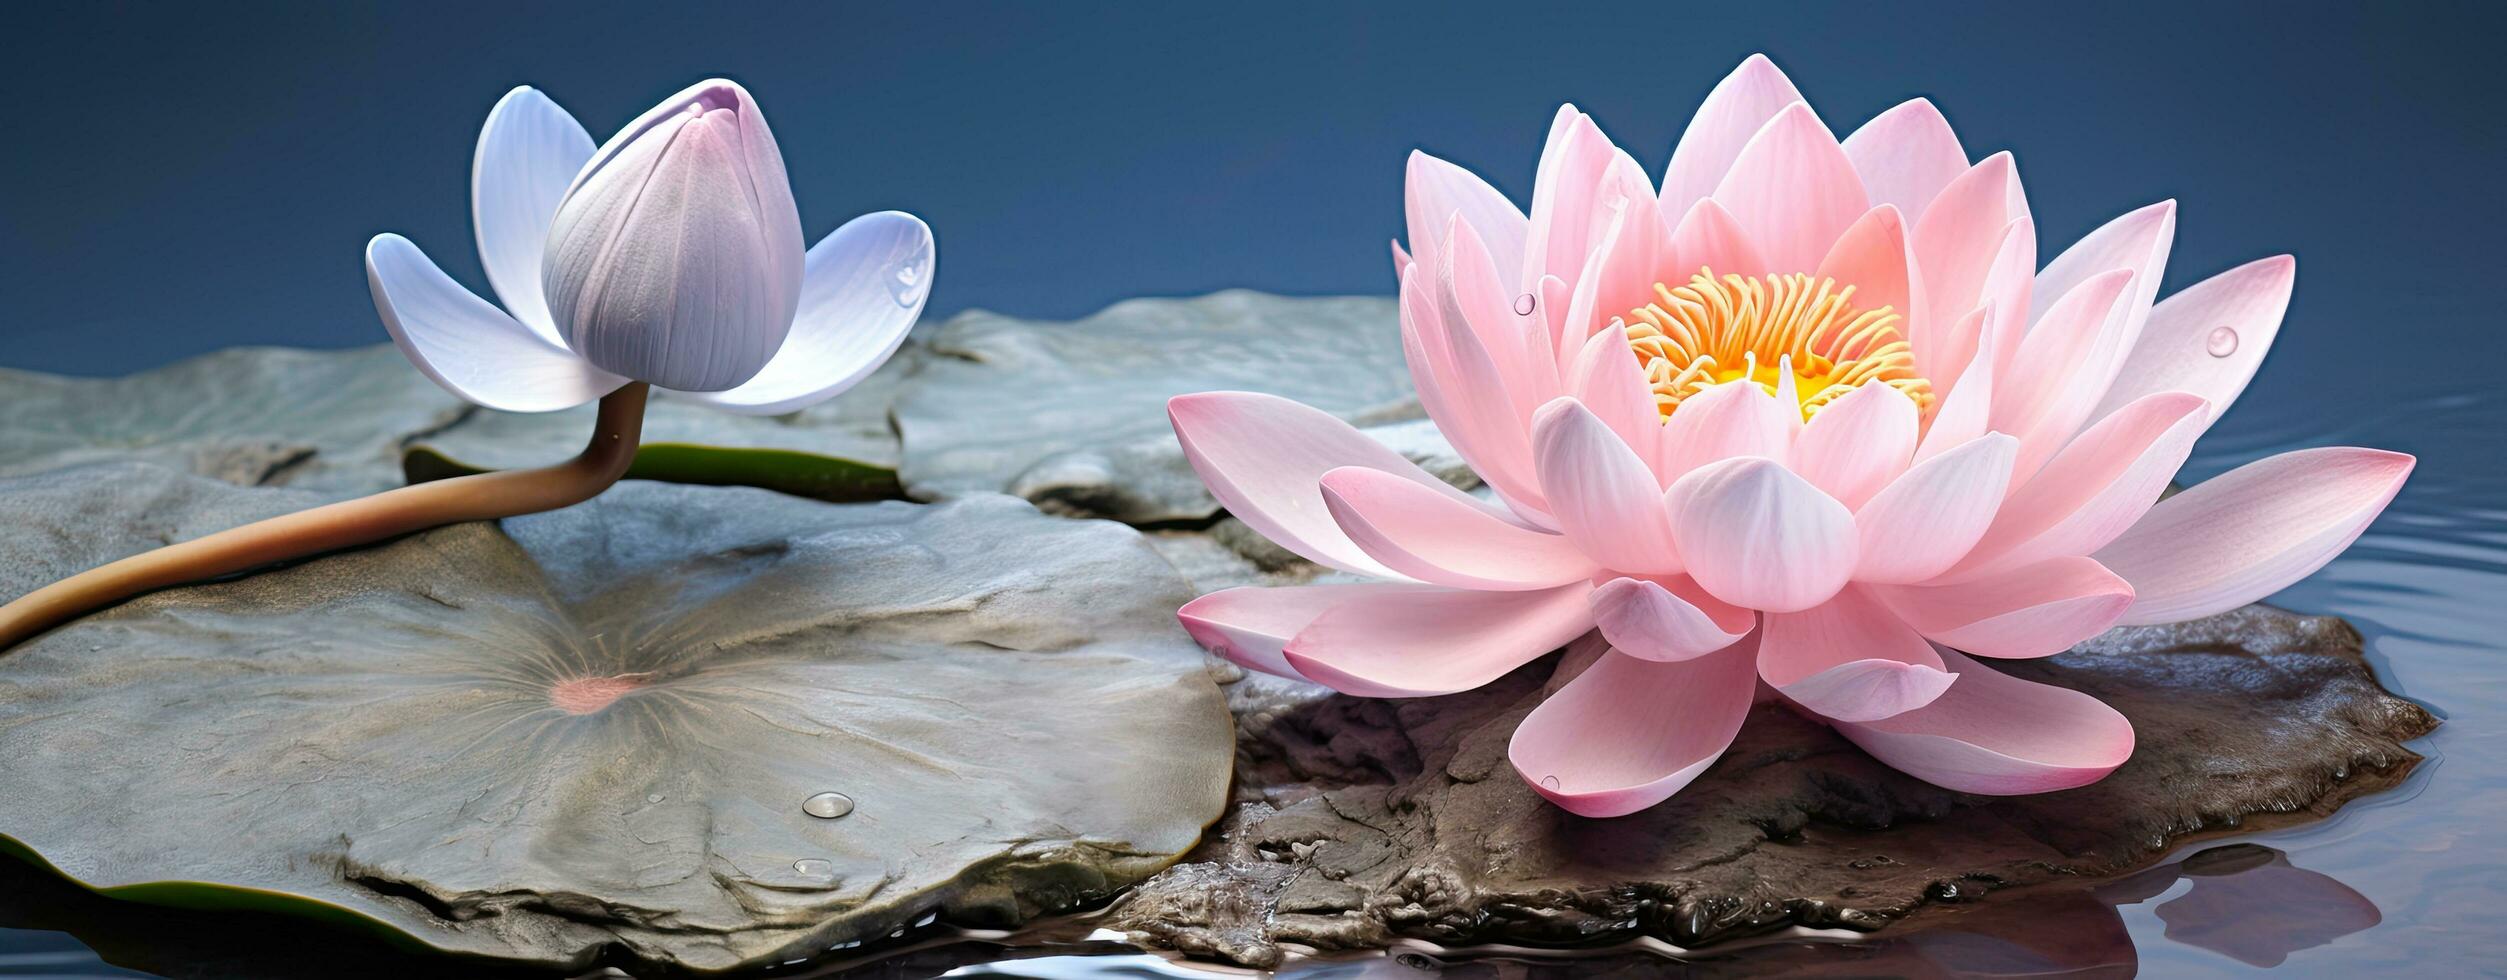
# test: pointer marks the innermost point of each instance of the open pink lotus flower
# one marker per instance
(1875, 440)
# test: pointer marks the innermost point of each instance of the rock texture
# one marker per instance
(1073, 415)
(592, 735)
(1358, 821)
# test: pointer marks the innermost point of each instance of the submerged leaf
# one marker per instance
(781, 470)
(597, 728)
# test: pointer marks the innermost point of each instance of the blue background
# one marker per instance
(184, 178)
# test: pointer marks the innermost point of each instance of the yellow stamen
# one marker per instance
(1759, 329)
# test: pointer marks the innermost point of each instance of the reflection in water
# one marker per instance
(2244, 901)
(2249, 903)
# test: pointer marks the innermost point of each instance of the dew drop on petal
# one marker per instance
(1523, 305)
(2222, 342)
(1550, 782)
(815, 867)
(827, 806)
(653, 797)
(907, 283)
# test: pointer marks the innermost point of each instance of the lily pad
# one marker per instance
(603, 734)
(1359, 822)
(324, 420)
(361, 420)
(1073, 415)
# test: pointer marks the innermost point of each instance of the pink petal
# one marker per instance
(1401, 259)
(1431, 536)
(2138, 241)
(1857, 444)
(1708, 237)
(1946, 354)
(1872, 256)
(2095, 489)
(1849, 659)
(1793, 190)
(1995, 734)
(1471, 294)
(2010, 284)
(2208, 338)
(1435, 192)
(1616, 277)
(1264, 457)
(1567, 190)
(1966, 412)
(1667, 619)
(1756, 535)
(2031, 611)
(1421, 644)
(1627, 733)
(1924, 522)
(1725, 421)
(1956, 241)
(1552, 298)
(1906, 156)
(2063, 365)
(1608, 381)
(2247, 533)
(1248, 626)
(1461, 390)
(1735, 111)
(1626, 261)
(1431, 364)
(1601, 492)
(1579, 656)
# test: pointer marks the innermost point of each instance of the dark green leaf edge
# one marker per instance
(829, 478)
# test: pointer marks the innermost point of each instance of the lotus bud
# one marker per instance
(675, 256)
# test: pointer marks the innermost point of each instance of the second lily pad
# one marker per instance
(1073, 415)
(695, 727)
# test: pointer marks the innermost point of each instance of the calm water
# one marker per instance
(2410, 879)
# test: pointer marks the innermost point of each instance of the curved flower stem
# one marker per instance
(346, 524)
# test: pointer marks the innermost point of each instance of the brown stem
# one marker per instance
(346, 524)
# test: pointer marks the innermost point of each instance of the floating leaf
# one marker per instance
(1073, 415)
(595, 731)
(328, 420)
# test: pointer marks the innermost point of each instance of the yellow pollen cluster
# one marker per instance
(1714, 330)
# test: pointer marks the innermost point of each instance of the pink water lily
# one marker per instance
(1807, 414)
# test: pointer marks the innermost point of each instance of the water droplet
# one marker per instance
(906, 287)
(654, 798)
(2222, 342)
(1550, 781)
(827, 806)
(815, 867)
(1523, 305)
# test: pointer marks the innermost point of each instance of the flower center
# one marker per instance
(1769, 330)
